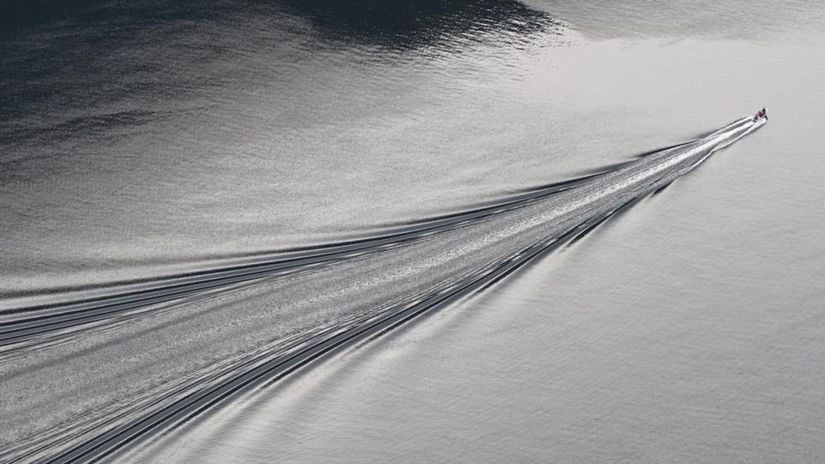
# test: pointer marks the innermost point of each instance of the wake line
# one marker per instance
(26, 323)
(19, 324)
(425, 275)
(16, 302)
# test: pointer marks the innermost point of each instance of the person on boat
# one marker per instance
(763, 113)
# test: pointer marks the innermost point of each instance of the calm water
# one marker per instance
(146, 139)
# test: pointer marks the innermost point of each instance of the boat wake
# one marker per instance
(91, 372)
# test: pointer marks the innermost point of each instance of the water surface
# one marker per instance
(141, 140)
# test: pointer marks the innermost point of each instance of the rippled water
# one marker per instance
(141, 141)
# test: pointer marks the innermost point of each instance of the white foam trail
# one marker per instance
(197, 353)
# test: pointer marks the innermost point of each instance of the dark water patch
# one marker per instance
(408, 25)
(90, 56)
